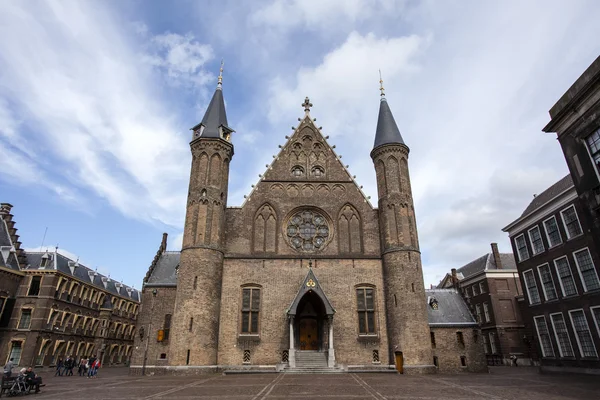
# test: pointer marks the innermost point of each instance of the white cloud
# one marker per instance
(88, 105)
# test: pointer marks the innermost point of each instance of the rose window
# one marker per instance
(307, 231)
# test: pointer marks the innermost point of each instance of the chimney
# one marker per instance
(496, 254)
(454, 279)
(163, 244)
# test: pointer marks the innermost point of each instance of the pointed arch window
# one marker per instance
(250, 310)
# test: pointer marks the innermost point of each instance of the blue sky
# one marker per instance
(97, 98)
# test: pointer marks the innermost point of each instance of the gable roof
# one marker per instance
(67, 266)
(11, 255)
(311, 284)
(278, 168)
(486, 262)
(538, 201)
(165, 270)
(451, 309)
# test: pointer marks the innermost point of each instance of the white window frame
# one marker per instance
(577, 336)
(550, 245)
(517, 247)
(596, 321)
(535, 253)
(537, 329)
(527, 287)
(30, 309)
(486, 345)
(493, 348)
(482, 287)
(551, 280)
(590, 154)
(475, 289)
(486, 312)
(585, 289)
(560, 350)
(562, 217)
(478, 311)
(562, 287)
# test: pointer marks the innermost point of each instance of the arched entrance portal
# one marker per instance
(310, 323)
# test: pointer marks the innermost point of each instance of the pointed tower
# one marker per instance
(195, 325)
(408, 327)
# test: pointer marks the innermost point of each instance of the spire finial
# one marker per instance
(381, 85)
(220, 83)
(307, 105)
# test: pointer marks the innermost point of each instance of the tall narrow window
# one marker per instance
(552, 232)
(475, 289)
(486, 312)
(547, 282)
(250, 310)
(25, 321)
(562, 335)
(571, 222)
(565, 276)
(481, 287)
(521, 246)
(167, 326)
(486, 345)
(493, 342)
(460, 338)
(195, 282)
(366, 310)
(532, 290)
(537, 246)
(582, 333)
(432, 335)
(478, 311)
(587, 271)
(15, 352)
(191, 324)
(593, 142)
(595, 313)
(34, 287)
(544, 336)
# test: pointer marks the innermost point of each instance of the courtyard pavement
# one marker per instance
(502, 383)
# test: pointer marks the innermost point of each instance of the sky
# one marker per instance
(97, 98)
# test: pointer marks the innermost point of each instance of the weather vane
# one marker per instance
(221, 73)
(381, 85)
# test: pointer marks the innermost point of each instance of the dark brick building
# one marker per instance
(490, 286)
(52, 306)
(557, 238)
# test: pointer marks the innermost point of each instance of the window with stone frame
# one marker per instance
(587, 270)
(297, 171)
(596, 315)
(250, 310)
(562, 335)
(552, 232)
(537, 245)
(365, 306)
(486, 345)
(547, 282)
(475, 289)
(521, 245)
(34, 286)
(532, 291)
(593, 142)
(25, 320)
(486, 312)
(583, 334)
(544, 336)
(571, 222)
(478, 312)
(565, 277)
(16, 347)
(493, 347)
(481, 287)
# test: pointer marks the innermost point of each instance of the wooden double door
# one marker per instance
(309, 334)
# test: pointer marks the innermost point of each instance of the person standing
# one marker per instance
(8, 368)
(59, 367)
(91, 362)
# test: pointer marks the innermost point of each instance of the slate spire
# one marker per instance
(214, 123)
(387, 130)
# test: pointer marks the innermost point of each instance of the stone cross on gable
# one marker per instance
(307, 105)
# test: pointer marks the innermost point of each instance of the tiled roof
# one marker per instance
(73, 268)
(548, 194)
(451, 309)
(164, 273)
(387, 131)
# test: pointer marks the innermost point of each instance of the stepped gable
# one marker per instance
(305, 162)
(450, 309)
(11, 254)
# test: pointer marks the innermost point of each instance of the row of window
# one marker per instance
(459, 339)
(580, 328)
(587, 274)
(553, 237)
(316, 172)
(476, 289)
(486, 312)
(489, 343)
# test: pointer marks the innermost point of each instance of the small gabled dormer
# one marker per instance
(104, 281)
(73, 265)
(433, 303)
(118, 286)
(46, 259)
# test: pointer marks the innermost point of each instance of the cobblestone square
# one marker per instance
(501, 383)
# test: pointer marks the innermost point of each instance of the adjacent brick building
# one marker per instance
(305, 269)
(52, 306)
(490, 285)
